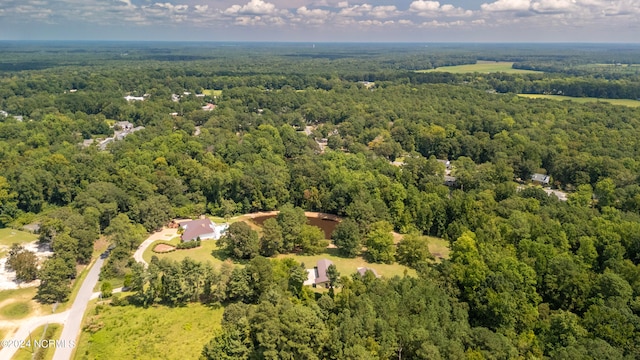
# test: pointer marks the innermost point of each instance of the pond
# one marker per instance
(327, 225)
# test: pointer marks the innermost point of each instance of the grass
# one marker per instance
(53, 332)
(25, 296)
(482, 67)
(202, 253)
(18, 294)
(347, 266)
(16, 310)
(582, 100)
(11, 236)
(212, 92)
(438, 247)
(129, 332)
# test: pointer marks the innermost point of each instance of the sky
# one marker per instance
(323, 20)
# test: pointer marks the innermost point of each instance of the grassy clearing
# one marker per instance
(438, 247)
(11, 236)
(347, 266)
(53, 332)
(21, 296)
(18, 294)
(482, 67)
(212, 92)
(582, 100)
(129, 332)
(208, 251)
(16, 310)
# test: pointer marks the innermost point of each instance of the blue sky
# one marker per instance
(323, 20)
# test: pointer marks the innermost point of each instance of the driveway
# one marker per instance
(164, 234)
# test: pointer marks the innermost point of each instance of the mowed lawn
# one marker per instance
(157, 332)
(10, 236)
(582, 100)
(348, 266)
(482, 67)
(212, 92)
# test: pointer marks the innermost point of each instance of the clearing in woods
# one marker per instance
(482, 67)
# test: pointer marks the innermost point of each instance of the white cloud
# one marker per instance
(427, 8)
(201, 8)
(313, 13)
(343, 4)
(253, 7)
(507, 5)
(552, 6)
(382, 12)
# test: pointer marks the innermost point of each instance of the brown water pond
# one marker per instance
(327, 225)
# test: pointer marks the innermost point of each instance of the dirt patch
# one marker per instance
(162, 248)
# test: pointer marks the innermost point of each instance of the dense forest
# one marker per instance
(529, 276)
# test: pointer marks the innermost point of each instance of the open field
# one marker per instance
(11, 236)
(16, 310)
(582, 100)
(212, 92)
(347, 266)
(482, 67)
(438, 247)
(19, 303)
(129, 332)
(30, 352)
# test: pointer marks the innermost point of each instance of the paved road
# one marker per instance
(27, 328)
(71, 329)
(164, 234)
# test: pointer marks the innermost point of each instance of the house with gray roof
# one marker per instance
(541, 179)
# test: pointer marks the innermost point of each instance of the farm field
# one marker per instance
(583, 100)
(157, 332)
(482, 67)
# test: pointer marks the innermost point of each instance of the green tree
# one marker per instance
(413, 250)
(23, 262)
(240, 241)
(312, 240)
(333, 275)
(380, 247)
(291, 220)
(271, 241)
(346, 237)
(54, 281)
(106, 289)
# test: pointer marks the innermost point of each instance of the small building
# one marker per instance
(134, 98)
(124, 125)
(446, 163)
(203, 229)
(318, 275)
(541, 179)
(209, 107)
(450, 181)
(363, 270)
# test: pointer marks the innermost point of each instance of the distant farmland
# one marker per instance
(482, 67)
(582, 100)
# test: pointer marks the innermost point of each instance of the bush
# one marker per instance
(188, 245)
